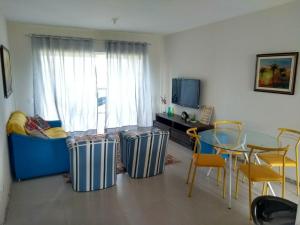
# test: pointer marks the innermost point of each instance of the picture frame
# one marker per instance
(276, 72)
(6, 71)
(206, 113)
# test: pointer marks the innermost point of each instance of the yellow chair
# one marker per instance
(261, 173)
(275, 160)
(203, 160)
(235, 125)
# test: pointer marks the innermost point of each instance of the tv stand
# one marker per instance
(177, 128)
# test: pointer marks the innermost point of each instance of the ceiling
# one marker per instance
(154, 16)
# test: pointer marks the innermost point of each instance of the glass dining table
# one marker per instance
(234, 140)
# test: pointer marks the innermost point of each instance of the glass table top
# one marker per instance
(235, 140)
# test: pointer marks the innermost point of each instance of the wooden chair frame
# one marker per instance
(239, 126)
(261, 150)
(192, 132)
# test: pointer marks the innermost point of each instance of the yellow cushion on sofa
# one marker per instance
(55, 132)
(16, 123)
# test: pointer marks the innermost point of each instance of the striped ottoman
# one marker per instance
(92, 162)
(143, 152)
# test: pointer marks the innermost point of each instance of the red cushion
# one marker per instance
(43, 124)
(33, 129)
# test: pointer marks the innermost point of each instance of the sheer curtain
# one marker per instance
(65, 81)
(128, 88)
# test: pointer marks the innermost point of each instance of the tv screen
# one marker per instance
(186, 92)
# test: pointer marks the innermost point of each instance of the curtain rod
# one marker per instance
(79, 38)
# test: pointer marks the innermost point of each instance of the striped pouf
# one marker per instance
(93, 164)
(143, 153)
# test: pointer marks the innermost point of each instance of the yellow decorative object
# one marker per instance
(203, 160)
(16, 123)
(275, 160)
(261, 173)
(55, 132)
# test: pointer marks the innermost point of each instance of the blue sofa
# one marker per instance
(35, 157)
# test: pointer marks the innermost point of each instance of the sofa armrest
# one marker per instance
(35, 156)
(55, 123)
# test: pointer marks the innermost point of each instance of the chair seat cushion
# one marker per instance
(260, 173)
(276, 160)
(55, 132)
(208, 160)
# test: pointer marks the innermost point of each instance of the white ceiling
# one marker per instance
(155, 16)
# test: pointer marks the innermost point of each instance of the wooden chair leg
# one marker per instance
(192, 183)
(250, 198)
(283, 187)
(235, 163)
(218, 176)
(297, 180)
(237, 184)
(279, 170)
(224, 182)
(188, 177)
(263, 192)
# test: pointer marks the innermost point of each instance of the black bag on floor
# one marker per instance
(270, 210)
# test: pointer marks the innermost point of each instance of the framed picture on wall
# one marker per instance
(276, 72)
(6, 71)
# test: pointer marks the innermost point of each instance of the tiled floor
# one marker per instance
(159, 200)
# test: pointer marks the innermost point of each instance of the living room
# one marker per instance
(215, 42)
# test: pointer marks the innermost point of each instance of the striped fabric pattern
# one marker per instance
(93, 164)
(143, 154)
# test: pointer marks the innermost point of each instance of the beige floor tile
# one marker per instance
(160, 200)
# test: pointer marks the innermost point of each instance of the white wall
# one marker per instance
(6, 107)
(21, 54)
(223, 56)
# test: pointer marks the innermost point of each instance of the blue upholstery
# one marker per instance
(93, 163)
(143, 153)
(34, 157)
(55, 123)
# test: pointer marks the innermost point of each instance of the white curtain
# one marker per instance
(65, 81)
(128, 90)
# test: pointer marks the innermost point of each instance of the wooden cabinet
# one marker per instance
(177, 128)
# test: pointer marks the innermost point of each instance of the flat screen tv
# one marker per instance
(186, 92)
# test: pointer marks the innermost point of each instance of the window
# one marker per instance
(101, 71)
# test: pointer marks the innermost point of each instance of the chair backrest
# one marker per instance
(254, 149)
(230, 123)
(293, 135)
(192, 132)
